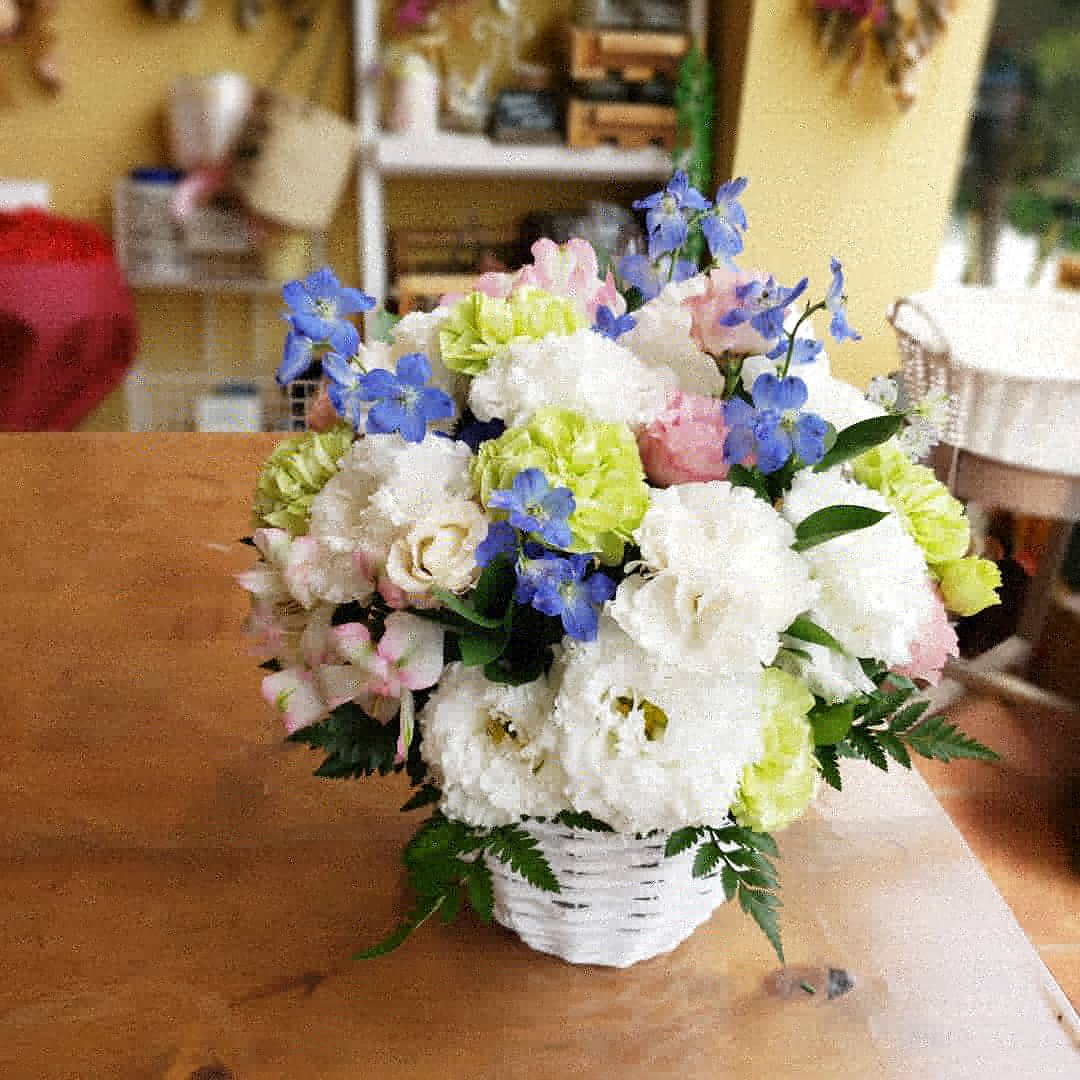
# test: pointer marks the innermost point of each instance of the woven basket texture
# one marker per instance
(621, 900)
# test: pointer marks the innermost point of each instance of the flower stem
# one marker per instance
(810, 309)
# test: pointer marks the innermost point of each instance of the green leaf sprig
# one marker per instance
(446, 866)
(743, 858)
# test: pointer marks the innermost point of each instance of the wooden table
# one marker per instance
(179, 897)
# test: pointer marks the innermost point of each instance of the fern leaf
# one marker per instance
(399, 936)
(581, 820)
(937, 738)
(829, 766)
(894, 748)
(520, 851)
(866, 745)
(480, 890)
(681, 840)
(708, 855)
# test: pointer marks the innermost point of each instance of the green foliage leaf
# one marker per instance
(478, 648)
(909, 717)
(867, 745)
(858, 438)
(763, 907)
(682, 840)
(807, 630)
(466, 610)
(829, 766)
(741, 476)
(581, 820)
(520, 850)
(706, 859)
(355, 744)
(937, 738)
(892, 746)
(495, 589)
(481, 890)
(831, 723)
(425, 795)
(832, 521)
(420, 914)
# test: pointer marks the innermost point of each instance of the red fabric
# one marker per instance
(68, 331)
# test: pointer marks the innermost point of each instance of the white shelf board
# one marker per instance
(445, 153)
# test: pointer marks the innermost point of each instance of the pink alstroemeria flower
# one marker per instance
(413, 649)
(294, 694)
(569, 270)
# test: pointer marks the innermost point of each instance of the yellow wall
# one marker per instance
(834, 172)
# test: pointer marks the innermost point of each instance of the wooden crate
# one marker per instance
(629, 126)
(633, 55)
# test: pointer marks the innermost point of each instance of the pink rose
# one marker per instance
(709, 307)
(933, 645)
(685, 443)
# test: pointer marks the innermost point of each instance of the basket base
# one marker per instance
(621, 900)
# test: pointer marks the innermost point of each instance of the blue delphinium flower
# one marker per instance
(403, 402)
(611, 325)
(345, 389)
(773, 426)
(319, 303)
(805, 350)
(535, 564)
(665, 219)
(650, 278)
(721, 224)
(762, 304)
(502, 539)
(536, 507)
(566, 590)
(835, 301)
(301, 351)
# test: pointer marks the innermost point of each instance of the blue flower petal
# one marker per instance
(413, 368)
(297, 359)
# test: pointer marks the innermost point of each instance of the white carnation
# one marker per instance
(661, 337)
(721, 580)
(490, 748)
(584, 372)
(644, 746)
(873, 598)
(383, 487)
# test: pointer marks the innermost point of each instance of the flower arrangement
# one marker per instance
(901, 31)
(615, 553)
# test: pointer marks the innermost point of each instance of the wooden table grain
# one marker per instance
(180, 897)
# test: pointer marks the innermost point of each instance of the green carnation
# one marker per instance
(969, 585)
(598, 462)
(777, 789)
(932, 516)
(480, 326)
(294, 474)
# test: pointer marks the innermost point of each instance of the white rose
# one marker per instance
(439, 549)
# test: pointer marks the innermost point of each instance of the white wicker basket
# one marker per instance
(1011, 358)
(622, 900)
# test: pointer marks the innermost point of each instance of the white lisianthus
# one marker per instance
(490, 748)
(384, 486)
(584, 372)
(872, 599)
(439, 549)
(721, 581)
(662, 338)
(647, 747)
(418, 332)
